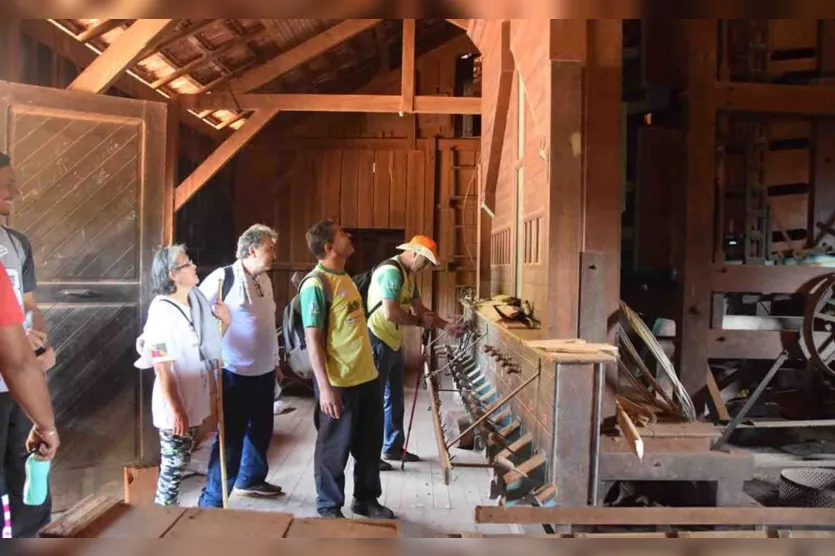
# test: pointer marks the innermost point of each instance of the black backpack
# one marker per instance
(295, 344)
(363, 283)
(228, 281)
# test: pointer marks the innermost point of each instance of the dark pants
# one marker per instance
(14, 429)
(391, 365)
(248, 416)
(358, 432)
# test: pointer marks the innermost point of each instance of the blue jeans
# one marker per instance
(248, 416)
(391, 365)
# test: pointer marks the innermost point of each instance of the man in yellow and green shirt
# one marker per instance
(394, 302)
(349, 414)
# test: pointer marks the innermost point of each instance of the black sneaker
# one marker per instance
(398, 456)
(261, 490)
(372, 510)
(331, 513)
(385, 466)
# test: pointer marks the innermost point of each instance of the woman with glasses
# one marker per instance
(182, 342)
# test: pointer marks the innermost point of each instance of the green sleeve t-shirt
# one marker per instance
(386, 283)
(350, 361)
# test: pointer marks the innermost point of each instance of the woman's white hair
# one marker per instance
(165, 261)
(254, 237)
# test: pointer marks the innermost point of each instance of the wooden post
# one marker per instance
(172, 177)
(10, 53)
(604, 178)
(141, 484)
(408, 87)
(565, 210)
(694, 324)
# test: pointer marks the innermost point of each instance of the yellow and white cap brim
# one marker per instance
(420, 250)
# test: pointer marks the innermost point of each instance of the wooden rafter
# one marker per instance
(99, 29)
(82, 56)
(306, 51)
(221, 156)
(208, 57)
(183, 33)
(226, 77)
(232, 120)
(408, 88)
(386, 104)
(460, 23)
(121, 55)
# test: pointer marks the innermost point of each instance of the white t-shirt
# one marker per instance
(169, 337)
(250, 346)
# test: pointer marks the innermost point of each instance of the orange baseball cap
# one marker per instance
(423, 245)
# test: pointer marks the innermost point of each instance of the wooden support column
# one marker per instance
(567, 50)
(120, 55)
(172, 177)
(408, 88)
(221, 156)
(700, 191)
(823, 189)
(10, 54)
(604, 173)
(498, 83)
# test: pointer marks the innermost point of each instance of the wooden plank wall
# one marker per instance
(527, 151)
(363, 185)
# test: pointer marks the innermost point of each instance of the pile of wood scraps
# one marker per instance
(577, 351)
(511, 312)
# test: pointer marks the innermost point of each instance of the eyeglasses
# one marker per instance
(182, 266)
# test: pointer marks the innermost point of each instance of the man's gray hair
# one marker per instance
(254, 237)
(165, 261)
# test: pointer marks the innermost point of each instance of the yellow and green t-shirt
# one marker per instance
(386, 283)
(350, 361)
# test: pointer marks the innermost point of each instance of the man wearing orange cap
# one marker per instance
(394, 302)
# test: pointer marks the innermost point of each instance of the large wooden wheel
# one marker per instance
(817, 339)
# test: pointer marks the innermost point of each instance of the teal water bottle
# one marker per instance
(36, 486)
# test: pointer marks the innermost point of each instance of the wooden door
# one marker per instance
(91, 173)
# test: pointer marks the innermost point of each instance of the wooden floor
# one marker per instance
(418, 497)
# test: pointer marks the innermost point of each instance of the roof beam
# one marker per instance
(299, 55)
(67, 46)
(408, 66)
(101, 28)
(121, 55)
(207, 57)
(183, 33)
(221, 156)
(385, 104)
(460, 23)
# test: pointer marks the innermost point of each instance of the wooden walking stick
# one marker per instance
(220, 422)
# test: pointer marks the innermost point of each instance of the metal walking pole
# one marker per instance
(424, 349)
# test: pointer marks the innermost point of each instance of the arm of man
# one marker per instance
(390, 283)
(20, 371)
(30, 283)
(313, 307)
